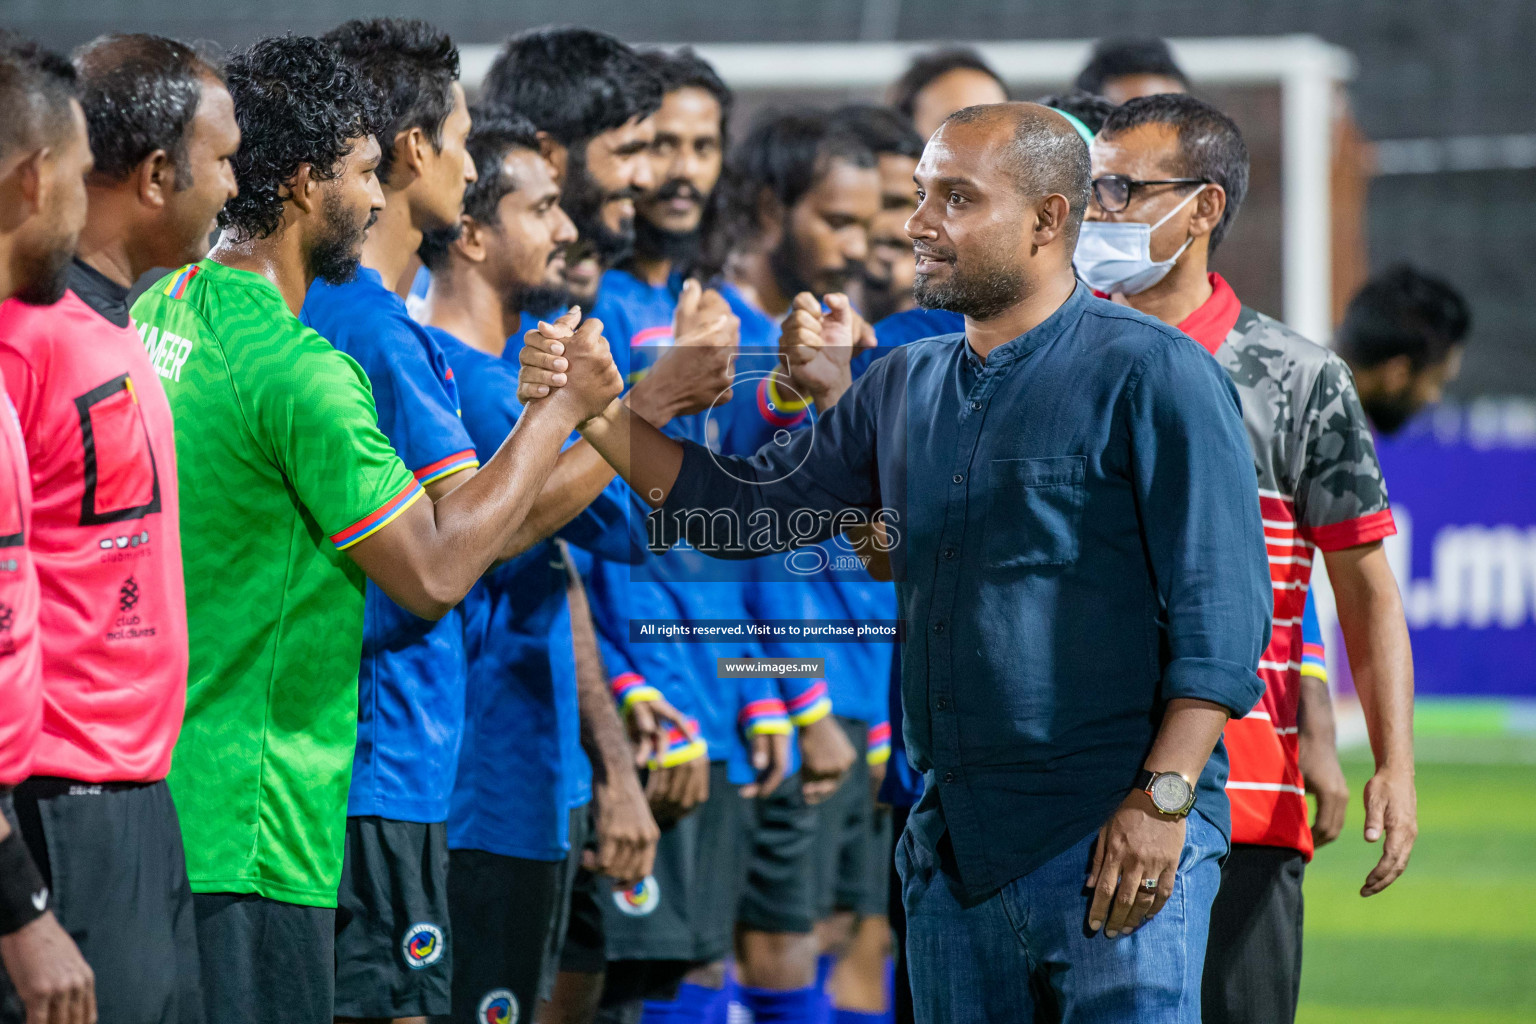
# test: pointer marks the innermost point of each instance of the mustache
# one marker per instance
(373, 217)
(677, 188)
(933, 252)
(628, 192)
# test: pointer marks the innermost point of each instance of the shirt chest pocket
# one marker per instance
(1034, 510)
(119, 465)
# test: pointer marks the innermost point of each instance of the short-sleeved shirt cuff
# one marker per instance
(1352, 532)
(681, 748)
(446, 466)
(810, 706)
(379, 518)
(766, 717)
(877, 748)
(1235, 687)
(630, 688)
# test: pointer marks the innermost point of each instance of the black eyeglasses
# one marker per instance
(1113, 191)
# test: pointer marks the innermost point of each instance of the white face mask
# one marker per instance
(1116, 257)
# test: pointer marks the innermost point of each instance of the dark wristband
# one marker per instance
(23, 896)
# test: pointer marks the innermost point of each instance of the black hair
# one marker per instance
(412, 66)
(1115, 58)
(926, 67)
(1046, 155)
(684, 69)
(1210, 146)
(1402, 312)
(140, 93)
(573, 83)
(1092, 110)
(297, 102)
(36, 87)
(495, 133)
(785, 153)
(882, 129)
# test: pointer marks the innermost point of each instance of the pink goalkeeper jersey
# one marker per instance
(105, 539)
(21, 678)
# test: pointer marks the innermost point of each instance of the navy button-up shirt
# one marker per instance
(1077, 543)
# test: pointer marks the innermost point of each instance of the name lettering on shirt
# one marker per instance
(168, 352)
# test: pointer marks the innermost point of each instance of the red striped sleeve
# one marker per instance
(1352, 532)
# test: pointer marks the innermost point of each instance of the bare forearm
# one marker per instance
(476, 522)
(1187, 736)
(579, 476)
(1380, 658)
(1314, 713)
(602, 733)
(647, 459)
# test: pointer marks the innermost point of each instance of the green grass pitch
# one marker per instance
(1454, 940)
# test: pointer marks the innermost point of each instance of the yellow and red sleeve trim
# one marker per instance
(878, 747)
(681, 748)
(371, 524)
(435, 471)
(1314, 663)
(765, 717)
(1352, 532)
(630, 688)
(810, 707)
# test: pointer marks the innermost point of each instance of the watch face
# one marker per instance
(1170, 793)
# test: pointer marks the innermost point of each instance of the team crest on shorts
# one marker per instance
(643, 899)
(498, 1006)
(422, 945)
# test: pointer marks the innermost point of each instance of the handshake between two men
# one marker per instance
(569, 363)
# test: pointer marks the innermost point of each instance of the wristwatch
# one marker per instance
(1171, 792)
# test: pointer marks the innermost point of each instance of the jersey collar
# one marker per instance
(1214, 319)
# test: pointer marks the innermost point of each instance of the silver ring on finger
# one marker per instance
(1149, 885)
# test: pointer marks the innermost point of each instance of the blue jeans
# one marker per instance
(1024, 954)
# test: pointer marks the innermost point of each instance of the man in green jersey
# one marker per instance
(290, 497)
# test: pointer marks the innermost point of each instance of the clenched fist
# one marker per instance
(818, 347)
(570, 366)
(696, 372)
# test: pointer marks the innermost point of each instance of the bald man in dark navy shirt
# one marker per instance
(1075, 533)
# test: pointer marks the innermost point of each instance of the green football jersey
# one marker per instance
(281, 465)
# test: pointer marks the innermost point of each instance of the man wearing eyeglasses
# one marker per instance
(1169, 175)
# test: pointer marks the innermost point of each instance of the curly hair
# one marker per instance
(412, 65)
(140, 93)
(298, 102)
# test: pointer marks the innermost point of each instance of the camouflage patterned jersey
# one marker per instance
(1320, 487)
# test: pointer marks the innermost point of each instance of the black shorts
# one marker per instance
(781, 890)
(265, 961)
(851, 865)
(111, 854)
(394, 954)
(586, 945)
(685, 910)
(509, 923)
(1253, 956)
